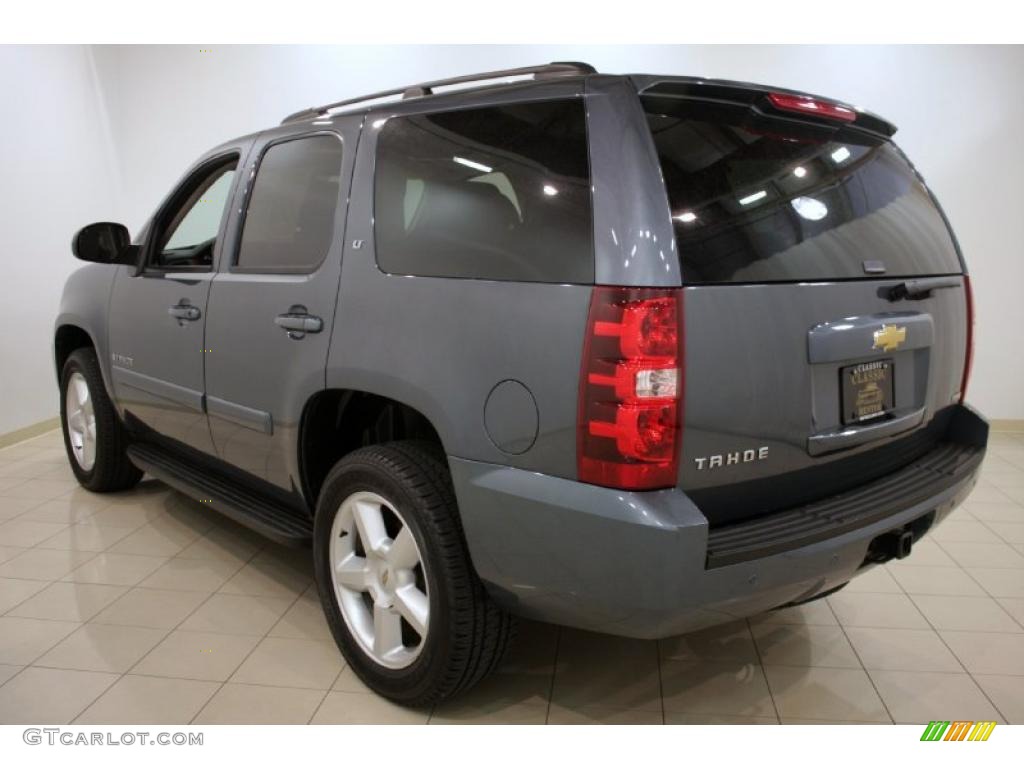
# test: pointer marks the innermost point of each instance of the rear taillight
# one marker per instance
(629, 424)
(969, 355)
(808, 105)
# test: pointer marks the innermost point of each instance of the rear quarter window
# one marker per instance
(497, 193)
(756, 199)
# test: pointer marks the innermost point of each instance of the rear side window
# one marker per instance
(498, 193)
(289, 222)
(757, 199)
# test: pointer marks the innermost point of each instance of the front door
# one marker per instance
(272, 302)
(158, 312)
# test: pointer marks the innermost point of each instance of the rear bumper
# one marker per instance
(647, 565)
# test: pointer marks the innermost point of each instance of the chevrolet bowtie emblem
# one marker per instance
(889, 337)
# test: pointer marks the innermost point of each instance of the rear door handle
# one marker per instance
(298, 322)
(184, 311)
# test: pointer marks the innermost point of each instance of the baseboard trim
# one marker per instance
(1007, 425)
(32, 430)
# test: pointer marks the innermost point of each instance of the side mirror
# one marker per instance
(104, 242)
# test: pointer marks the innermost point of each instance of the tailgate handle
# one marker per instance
(847, 437)
(921, 288)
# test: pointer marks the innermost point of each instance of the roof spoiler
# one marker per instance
(539, 72)
(758, 97)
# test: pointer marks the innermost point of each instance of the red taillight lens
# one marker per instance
(630, 401)
(646, 328)
(969, 356)
(810, 106)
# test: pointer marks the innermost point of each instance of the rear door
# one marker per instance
(808, 368)
(272, 302)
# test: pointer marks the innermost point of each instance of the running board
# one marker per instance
(268, 518)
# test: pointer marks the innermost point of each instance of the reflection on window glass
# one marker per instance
(413, 198)
(500, 193)
(501, 183)
(289, 223)
(758, 200)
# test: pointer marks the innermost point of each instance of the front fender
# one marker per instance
(85, 305)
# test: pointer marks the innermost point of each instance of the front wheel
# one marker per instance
(94, 437)
(401, 597)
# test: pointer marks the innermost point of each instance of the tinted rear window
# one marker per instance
(757, 199)
(500, 193)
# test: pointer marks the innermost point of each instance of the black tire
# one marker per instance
(468, 634)
(111, 470)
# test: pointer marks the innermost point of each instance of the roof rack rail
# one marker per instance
(540, 71)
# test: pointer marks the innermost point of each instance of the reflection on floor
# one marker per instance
(144, 607)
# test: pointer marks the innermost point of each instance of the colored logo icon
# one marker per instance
(958, 730)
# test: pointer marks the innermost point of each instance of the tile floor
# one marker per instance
(144, 608)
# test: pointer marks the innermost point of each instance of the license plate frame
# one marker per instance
(866, 391)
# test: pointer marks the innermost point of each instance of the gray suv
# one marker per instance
(635, 354)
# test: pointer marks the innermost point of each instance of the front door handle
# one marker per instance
(298, 322)
(184, 311)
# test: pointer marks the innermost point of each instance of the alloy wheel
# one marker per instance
(81, 421)
(379, 579)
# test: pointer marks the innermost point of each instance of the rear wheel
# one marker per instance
(395, 580)
(94, 437)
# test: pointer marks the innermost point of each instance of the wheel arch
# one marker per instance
(337, 421)
(68, 337)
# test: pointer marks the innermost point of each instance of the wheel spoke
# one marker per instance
(353, 573)
(76, 421)
(81, 391)
(387, 631)
(403, 553)
(414, 606)
(370, 522)
(88, 450)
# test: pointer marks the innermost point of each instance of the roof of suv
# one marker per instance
(419, 90)
(650, 85)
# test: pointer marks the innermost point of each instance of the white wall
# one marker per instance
(56, 172)
(956, 106)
